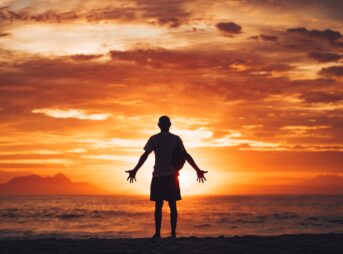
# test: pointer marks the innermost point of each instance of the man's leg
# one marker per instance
(173, 217)
(158, 217)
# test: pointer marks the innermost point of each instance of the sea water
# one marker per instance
(132, 216)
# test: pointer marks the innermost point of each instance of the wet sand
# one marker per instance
(312, 244)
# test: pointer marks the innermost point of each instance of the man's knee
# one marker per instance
(172, 206)
(159, 204)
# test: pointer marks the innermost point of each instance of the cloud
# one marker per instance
(333, 71)
(326, 35)
(324, 57)
(268, 37)
(264, 37)
(110, 157)
(72, 113)
(321, 97)
(171, 14)
(174, 59)
(165, 13)
(36, 161)
(300, 130)
(83, 57)
(59, 14)
(4, 34)
(229, 28)
(127, 14)
(171, 22)
(320, 9)
(8, 15)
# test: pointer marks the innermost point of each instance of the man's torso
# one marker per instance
(164, 144)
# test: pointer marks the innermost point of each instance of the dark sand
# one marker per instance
(312, 244)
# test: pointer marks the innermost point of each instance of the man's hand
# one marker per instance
(132, 175)
(201, 177)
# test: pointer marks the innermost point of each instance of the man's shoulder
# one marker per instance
(155, 136)
(173, 135)
(163, 134)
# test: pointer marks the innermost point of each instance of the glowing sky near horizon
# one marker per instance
(254, 88)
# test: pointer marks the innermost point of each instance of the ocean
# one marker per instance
(27, 217)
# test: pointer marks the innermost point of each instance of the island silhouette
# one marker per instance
(58, 184)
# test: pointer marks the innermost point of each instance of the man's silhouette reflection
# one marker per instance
(165, 182)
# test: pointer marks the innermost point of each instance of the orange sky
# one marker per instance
(254, 88)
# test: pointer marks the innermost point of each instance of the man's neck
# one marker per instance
(164, 130)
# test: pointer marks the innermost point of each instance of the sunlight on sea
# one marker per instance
(132, 216)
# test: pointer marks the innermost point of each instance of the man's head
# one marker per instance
(164, 123)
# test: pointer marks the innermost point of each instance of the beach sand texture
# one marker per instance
(312, 244)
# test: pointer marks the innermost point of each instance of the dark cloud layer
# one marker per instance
(333, 71)
(321, 97)
(229, 28)
(164, 13)
(264, 37)
(4, 34)
(324, 57)
(83, 57)
(331, 9)
(269, 37)
(168, 13)
(331, 36)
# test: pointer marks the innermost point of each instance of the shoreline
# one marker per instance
(299, 243)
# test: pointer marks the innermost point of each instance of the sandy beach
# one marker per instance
(323, 243)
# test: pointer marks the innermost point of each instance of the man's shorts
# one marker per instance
(165, 188)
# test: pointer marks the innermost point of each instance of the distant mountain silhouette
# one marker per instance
(325, 180)
(5, 176)
(58, 184)
(321, 184)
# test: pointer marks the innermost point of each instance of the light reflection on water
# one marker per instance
(132, 216)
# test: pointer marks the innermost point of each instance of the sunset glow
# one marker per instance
(253, 88)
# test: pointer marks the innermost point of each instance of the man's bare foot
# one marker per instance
(173, 235)
(156, 236)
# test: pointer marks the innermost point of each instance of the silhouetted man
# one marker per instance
(165, 182)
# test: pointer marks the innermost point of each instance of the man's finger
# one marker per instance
(128, 178)
(205, 178)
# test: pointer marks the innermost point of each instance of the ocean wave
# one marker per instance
(206, 225)
(13, 213)
(337, 221)
(30, 234)
(70, 216)
(285, 216)
(92, 217)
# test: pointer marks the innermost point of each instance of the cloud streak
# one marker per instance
(229, 28)
(72, 113)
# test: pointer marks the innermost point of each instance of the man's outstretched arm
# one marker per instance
(132, 173)
(201, 177)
